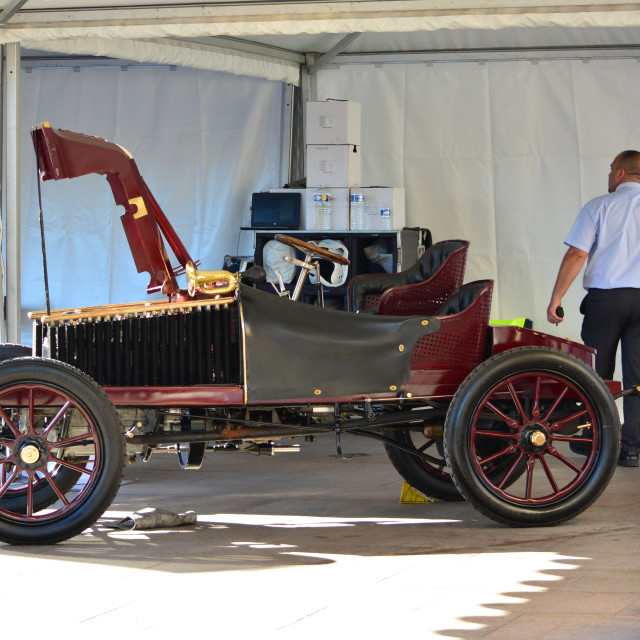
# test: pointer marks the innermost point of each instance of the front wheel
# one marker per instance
(61, 451)
(536, 401)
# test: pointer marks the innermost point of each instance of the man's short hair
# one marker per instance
(630, 161)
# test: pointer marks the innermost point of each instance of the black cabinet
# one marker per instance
(369, 252)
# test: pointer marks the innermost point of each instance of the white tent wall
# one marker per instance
(503, 154)
(203, 141)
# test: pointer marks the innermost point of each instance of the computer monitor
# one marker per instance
(275, 210)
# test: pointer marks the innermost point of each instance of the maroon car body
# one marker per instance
(464, 409)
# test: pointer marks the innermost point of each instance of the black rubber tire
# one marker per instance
(9, 351)
(430, 479)
(537, 438)
(66, 478)
(44, 495)
(85, 504)
(434, 480)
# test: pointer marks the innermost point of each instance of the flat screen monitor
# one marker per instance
(275, 211)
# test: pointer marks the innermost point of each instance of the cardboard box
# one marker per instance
(333, 122)
(339, 208)
(333, 165)
(378, 198)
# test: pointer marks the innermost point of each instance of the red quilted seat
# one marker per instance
(462, 338)
(420, 290)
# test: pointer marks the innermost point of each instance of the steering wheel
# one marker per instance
(310, 249)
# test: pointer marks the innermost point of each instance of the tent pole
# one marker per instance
(309, 79)
(12, 193)
(3, 309)
(286, 134)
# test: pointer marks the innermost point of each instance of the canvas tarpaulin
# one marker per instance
(203, 141)
(503, 154)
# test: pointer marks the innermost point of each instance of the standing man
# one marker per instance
(606, 234)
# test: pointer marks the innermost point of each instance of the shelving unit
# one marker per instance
(402, 245)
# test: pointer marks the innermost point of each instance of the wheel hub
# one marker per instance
(30, 452)
(534, 437)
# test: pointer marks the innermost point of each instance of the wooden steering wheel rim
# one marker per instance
(312, 249)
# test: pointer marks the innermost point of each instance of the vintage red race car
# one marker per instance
(463, 409)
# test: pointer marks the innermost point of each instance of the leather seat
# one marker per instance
(461, 340)
(420, 290)
(462, 299)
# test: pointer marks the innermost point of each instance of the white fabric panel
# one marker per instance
(308, 17)
(503, 154)
(170, 52)
(203, 141)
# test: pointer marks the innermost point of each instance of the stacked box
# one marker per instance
(377, 199)
(333, 165)
(339, 206)
(333, 122)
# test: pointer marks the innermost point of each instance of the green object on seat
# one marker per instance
(515, 322)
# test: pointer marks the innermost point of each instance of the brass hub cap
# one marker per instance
(534, 438)
(31, 452)
(537, 438)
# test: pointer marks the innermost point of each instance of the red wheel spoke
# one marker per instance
(510, 471)
(555, 404)
(516, 401)
(55, 421)
(73, 440)
(496, 434)
(55, 487)
(535, 409)
(3, 471)
(556, 454)
(32, 417)
(426, 445)
(531, 462)
(29, 494)
(499, 454)
(511, 423)
(9, 482)
(70, 465)
(572, 439)
(9, 423)
(560, 423)
(548, 472)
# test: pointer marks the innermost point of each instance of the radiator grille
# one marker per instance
(178, 347)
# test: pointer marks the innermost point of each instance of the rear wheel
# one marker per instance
(9, 351)
(61, 451)
(422, 463)
(542, 400)
(430, 475)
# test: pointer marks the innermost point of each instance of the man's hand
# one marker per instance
(555, 312)
(571, 265)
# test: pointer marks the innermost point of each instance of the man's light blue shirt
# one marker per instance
(608, 228)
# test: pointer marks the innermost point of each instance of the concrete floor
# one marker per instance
(309, 545)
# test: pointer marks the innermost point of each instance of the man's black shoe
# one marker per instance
(627, 459)
(582, 448)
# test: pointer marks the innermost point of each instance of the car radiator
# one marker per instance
(155, 345)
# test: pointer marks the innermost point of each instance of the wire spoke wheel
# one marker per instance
(535, 402)
(61, 451)
(430, 475)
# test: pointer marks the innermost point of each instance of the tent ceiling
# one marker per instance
(272, 39)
